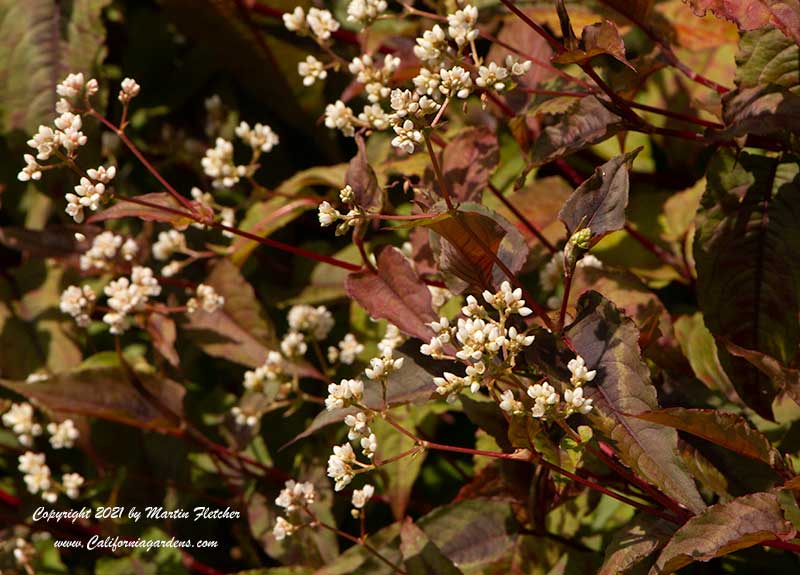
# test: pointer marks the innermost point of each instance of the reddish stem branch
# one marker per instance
(150, 168)
(658, 251)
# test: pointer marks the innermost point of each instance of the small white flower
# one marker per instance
(31, 171)
(62, 434)
(375, 117)
(345, 393)
(260, 137)
(407, 137)
(576, 402)
(295, 21)
(517, 67)
(129, 89)
(322, 23)
(361, 496)
(311, 70)
(71, 86)
(102, 174)
(427, 82)
(392, 338)
(510, 404)
(283, 528)
(340, 117)
(129, 249)
(431, 46)
(19, 418)
(381, 367)
(579, 371)
(492, 76)
(77, 302)
(340, 465)
(168, 243)
(314, 321)
(72, 482)
(295, 496)
(369, 445)
(358, 425)
(328, 214)
(218, 164)
(462, 25)
(545, 396)
(364, 12)
(294, 345)
(349, 348)
(243, 418)
(45, 141)
(456, 82)
(206, 298)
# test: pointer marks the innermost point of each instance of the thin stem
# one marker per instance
(658, 251)
(364, 544)
(150, 168)
(440, 178)
(525, 221)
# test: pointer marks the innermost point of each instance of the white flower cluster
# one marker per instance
(360, 498)
(381, 367)
(129, 89)
(78, 302)
(38, 478)
(365, 12)
(218, 164)
(295, 498)
(347, 392)
(19, 418)
(347, 350)
(168, 243)
(206, 298)
(127, 295)
(328, 215)
(260, 137)
(478, 339)
(446, 73)
(314, 321)
(270, 370)
(311, 70)
(547, 402)
(104, 250)
(62, 435)
(320, 23)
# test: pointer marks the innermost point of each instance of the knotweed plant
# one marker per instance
(473, 293)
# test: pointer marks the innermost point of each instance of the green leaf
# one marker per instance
(240, 331)
(723, 529)
(585, 122)
(767, 57)
(599, 202)
(700, 349)
(726, 429)
(607, 341)
(114, 393)
(420, 555)
(395, 293)
(635, 543)
(86, 34)
(704, 471)
(748, 262)
(764, 110)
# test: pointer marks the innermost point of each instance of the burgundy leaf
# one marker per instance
(394, 293)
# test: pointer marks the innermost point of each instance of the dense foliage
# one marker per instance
(399, 287)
